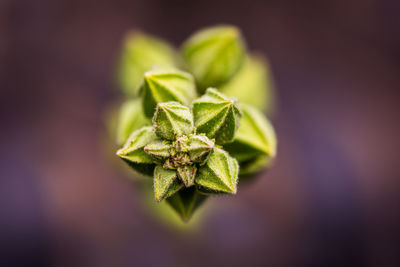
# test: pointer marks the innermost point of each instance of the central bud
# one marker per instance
(184, 154)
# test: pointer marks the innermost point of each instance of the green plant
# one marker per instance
(193, 139)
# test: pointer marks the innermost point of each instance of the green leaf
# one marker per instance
(158, 150)
(140, 52)
(199, 148)
(216, 115)
(166, 84)
(172, 120)
(187, 174)
(255, 136)
(253, 84)
(220, 173)
(186, 201)
(130, 118)
(133, 150)
(165, 183)
(214, 54)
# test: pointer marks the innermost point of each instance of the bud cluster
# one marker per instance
(193, 139)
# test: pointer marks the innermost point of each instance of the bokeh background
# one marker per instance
(332, 198)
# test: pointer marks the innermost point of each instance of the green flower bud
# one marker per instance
(186, 201)
(220, 173)
(214, 55)
(199, 148)
(253, 84)
(158, 150)
(133, 151)
(255, 136)
(139, 54)
(187, 174)
(217, 116)
(130, 118)
(172, 120)
(163, 85)
(165, 183)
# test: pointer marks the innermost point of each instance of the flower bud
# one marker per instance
(139, 54)
(253, 84)
(214, 55)
(158, 150)
(217, 116)
(255, 136)
(220, 173)
(166, 84)
(165, 183)
(130, 118)
(186, 201)
(199, 148)
(172, 120)
(187, 174)
(133, 150)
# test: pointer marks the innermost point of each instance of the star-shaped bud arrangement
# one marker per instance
(196, 124)
(179, 156)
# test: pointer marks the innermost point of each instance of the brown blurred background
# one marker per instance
(332, 198)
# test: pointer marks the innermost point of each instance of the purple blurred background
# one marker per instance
(332, 198)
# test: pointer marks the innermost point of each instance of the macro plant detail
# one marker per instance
(183, 155)
(194, 120)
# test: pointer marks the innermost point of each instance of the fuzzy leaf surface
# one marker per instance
(133, 150)
(220, 173)
(166, 84)
(165, 183)
(172, 120)
(217, 116)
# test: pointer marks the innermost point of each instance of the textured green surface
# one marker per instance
(214, 55)
(165, 183)
(220, 173)
(172, 120)
(166, 84)
(141, 52)
(216, 115)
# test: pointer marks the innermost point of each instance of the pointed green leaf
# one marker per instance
(253, 84)
(216, 115)
(133, 150)
(214, 55)
(172, 120)
(165, 183)
(186, 201)
(130, 118)
(187, 174)
(255, 136)
(199, 148)
(220, 173)
(166, 84)
(140, 52)
(158, 150)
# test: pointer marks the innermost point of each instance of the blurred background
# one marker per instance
(332, 198)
